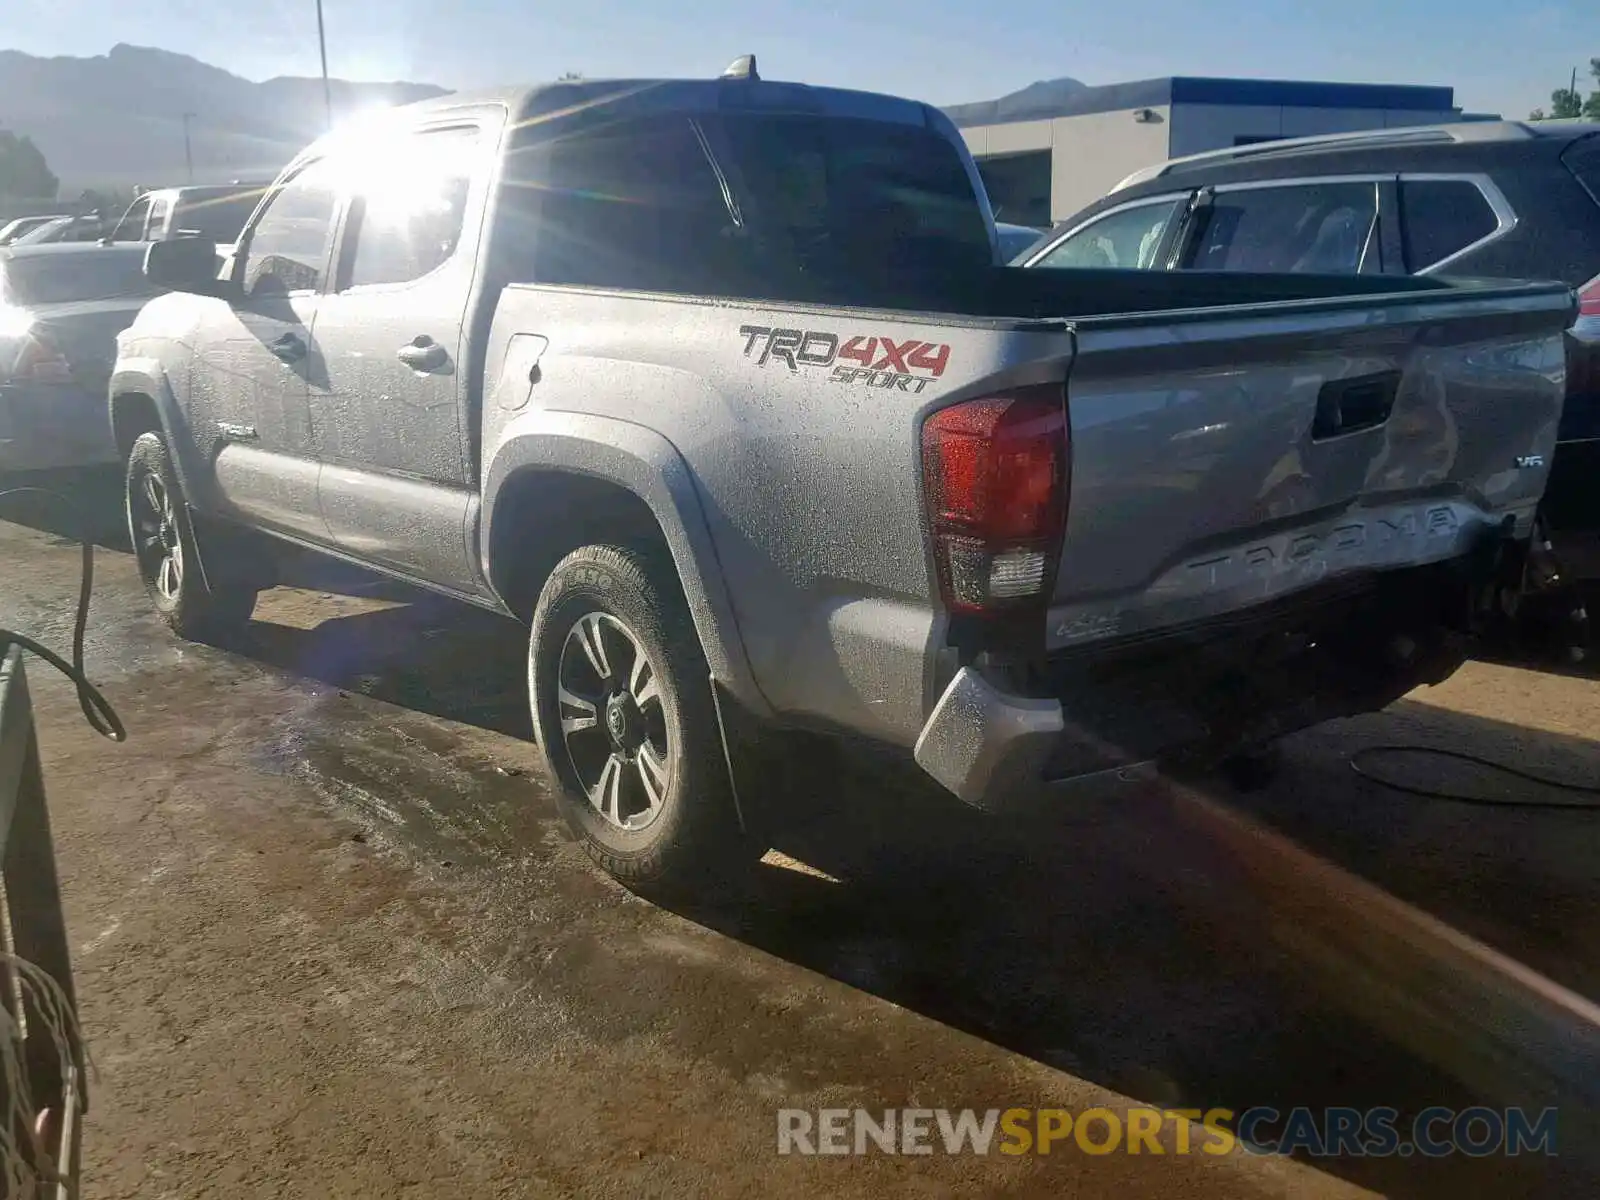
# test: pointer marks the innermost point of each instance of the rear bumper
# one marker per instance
(1086, 724)
(43, 426)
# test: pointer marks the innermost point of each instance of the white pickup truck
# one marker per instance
(719, 385)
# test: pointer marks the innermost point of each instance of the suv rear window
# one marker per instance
(1583, 160)
(1441, 217)
(1312, 228)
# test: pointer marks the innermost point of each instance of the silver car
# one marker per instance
(61, 308)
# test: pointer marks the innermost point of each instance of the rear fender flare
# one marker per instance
(648, 465)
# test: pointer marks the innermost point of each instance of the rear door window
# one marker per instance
(1125, 240)
(1311, 228)
(1441, 217)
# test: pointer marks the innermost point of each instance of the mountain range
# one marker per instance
(117, 119)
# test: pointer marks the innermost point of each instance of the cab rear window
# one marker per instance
(726, 203)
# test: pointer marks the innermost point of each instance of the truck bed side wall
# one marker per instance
(808, 475)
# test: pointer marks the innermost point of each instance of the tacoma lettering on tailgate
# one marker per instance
(907, 366)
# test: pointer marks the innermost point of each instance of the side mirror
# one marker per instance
(185, 265)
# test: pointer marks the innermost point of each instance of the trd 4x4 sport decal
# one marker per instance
(908, 366)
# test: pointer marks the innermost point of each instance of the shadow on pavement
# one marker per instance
(1107, 941)
(1112, 944)
(427, 653)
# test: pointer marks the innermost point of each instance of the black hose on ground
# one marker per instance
(96, 708)
(1580, 789)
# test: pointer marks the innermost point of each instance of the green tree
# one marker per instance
(23, 172)
(1591, 106)
(1568, 102)
(1565, 103)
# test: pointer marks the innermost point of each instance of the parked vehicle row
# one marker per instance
(61, 307)
(1501, 200)
(718, 386)
(66, 289)
(13, 229)
(78, 227)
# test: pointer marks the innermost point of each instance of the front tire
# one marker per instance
(624, 716)
(197, 604)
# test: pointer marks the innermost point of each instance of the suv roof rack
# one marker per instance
(1407, 135)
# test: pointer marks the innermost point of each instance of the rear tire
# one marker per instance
(198, 604)
(624, 717)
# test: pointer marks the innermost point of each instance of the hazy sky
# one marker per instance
(1499, 55)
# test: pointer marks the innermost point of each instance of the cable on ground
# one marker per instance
(96, 708)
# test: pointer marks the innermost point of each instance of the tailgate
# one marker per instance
(1225, 457)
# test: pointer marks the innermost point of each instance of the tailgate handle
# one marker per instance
(1351, 405)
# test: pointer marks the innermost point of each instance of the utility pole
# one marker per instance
(188, 154)
(322, 45)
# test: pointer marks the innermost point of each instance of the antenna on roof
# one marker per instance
(743, 67)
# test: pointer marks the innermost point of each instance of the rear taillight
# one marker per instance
(1589, 298)
(995, 474)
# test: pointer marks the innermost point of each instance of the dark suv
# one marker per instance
(1498, 199)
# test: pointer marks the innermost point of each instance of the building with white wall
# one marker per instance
(1050, 149)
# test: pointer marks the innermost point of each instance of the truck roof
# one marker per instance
(533, 103)
(726, 92)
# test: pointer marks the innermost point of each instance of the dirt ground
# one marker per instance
(332, 941)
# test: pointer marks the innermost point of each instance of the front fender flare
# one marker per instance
(648, 465)
(146, 377)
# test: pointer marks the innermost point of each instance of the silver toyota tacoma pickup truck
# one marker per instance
(719, 386)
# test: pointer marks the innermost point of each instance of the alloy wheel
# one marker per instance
(613, 721)
(155, 530)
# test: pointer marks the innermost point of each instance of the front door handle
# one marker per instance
(423, 354)
(289, 348)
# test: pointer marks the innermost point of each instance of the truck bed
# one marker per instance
(1197, 476)
(1042, 294)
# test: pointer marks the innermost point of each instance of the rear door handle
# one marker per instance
(289, 348)
(423, 354)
